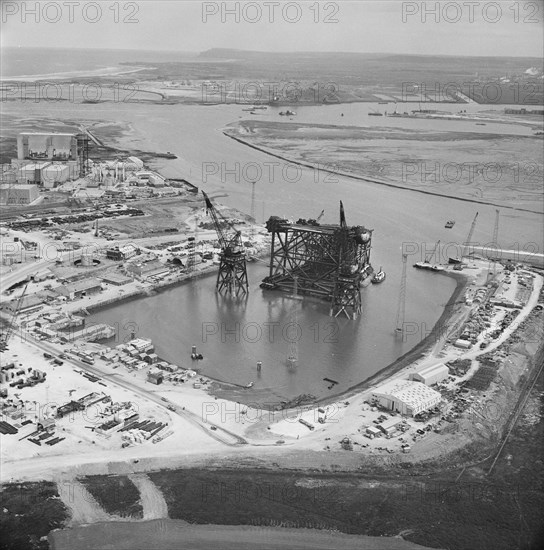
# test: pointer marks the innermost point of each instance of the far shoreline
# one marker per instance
(368, 179)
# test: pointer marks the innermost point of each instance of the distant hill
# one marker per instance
(227, 53)
(231, 53)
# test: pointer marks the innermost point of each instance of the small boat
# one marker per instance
(429, 266)
(250, 385)
(480, 124)
(379, 277)
(375, 113)
(426, 264)
(449, 224)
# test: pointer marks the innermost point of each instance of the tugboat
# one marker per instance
(378, 277)
(449, 224)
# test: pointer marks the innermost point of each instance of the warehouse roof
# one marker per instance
(410, 392)
(79, 286)
(35, 166)
(433, 369)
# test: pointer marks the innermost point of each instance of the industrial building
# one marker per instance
(121, 253)
(54, 174)
(46, 146)
(390, 426)
(49, 158)
(116, 279)
(155, 376)
(18, 194)
(145, 269)
(80, 288)
(32, 172)
(27, 304)
(432, 374)
(406, 397)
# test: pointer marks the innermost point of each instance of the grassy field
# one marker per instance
(434, 512)
(29, 511)
(116, 494)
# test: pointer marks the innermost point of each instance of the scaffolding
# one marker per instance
(326, 261)
(83, 154)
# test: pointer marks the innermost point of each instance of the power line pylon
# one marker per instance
(401, 309)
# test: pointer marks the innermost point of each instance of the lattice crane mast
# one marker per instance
(11, 325)
(232, 275)
(469, 237)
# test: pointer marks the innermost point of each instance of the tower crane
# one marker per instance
(232, 275)
(496, 237)
(11, 325)
(466, 244)
(495, 249)
(469, 236)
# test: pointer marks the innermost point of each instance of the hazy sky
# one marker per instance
(504, 28)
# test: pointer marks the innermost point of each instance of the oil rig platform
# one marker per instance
(326, 261)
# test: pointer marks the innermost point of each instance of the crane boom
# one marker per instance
(496, 229)
(229, 244)
(496, 238)
(469, 236)
(431, 256)
(11, 326)
(232, 275)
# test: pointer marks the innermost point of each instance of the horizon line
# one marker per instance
(293, 52)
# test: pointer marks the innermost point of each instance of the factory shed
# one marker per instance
(432, 374)
(80, 288)
(28, 303)
(19, 194)
(116, 279)
(120, 253)
(390, 426)
(46, 424)
(155, 377)
(406, 397)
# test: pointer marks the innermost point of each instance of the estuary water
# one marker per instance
(342, 350)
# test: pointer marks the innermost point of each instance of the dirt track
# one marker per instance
(151, 498)
(82, 505)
